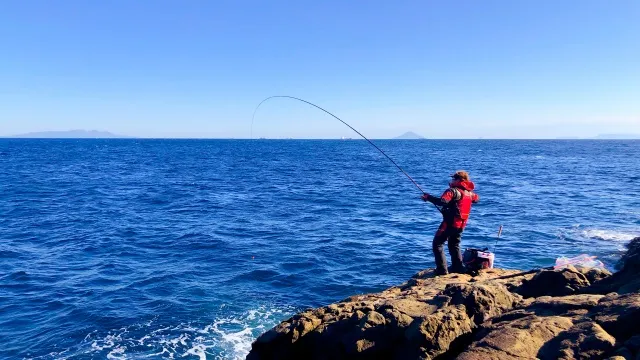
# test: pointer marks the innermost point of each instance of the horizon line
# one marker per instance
(302, 138)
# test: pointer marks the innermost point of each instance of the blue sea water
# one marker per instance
(132, 249)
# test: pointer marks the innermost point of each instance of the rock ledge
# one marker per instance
(567, 314)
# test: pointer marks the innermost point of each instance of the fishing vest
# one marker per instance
(463, 200)
(460, 205)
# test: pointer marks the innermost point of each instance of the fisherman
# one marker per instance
(455, 205)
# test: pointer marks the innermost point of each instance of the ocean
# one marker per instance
(137, 249)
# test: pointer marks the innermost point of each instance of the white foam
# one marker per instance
(160, 354)
(608, 235)
(107, 343)
(240, 341)
(117, 353)
(197, 350)
(143, 339)
(225, 338)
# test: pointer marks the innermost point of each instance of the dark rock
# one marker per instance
(624, 353)
(619, 315)
(633, 344)
(594, 275)
(626, 280)
(630, 261)
(554, 283)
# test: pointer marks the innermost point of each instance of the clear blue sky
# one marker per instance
(444, 69)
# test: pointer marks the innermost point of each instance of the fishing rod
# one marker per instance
(495, 245)
(523, 273)
(342, 121)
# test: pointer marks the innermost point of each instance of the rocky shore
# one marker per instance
(566, 314)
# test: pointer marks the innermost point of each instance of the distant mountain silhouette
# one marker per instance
(409, 135)
(70, 134)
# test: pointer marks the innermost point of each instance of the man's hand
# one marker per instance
(425, 197)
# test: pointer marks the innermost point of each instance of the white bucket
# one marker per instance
(487, 255)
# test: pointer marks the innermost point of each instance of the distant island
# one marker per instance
(409, 135)
(618, 136)
(70, 134)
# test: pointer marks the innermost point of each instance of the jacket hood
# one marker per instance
(464, 184)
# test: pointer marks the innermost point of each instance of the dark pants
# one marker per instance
(452, 235)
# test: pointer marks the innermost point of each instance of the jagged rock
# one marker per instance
(630, 261)
(497, 315)
(619, 315)
(554, 283)
(421, 318)
(594, 275)
(569, 306)
(515, 339)
(586, 340)
(410, 307)
(432, 335)
(626, 280)
(481, 301)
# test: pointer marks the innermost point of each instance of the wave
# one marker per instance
(228, 337)
(608, 235)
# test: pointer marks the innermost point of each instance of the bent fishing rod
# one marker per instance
(345, 123)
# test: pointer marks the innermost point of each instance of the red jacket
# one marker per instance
(456, 202)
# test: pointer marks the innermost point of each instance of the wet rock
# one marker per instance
(626, 280)
(630, 260)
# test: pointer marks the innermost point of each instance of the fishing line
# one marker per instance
(342, 121)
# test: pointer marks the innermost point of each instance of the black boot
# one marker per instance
(441, 271)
